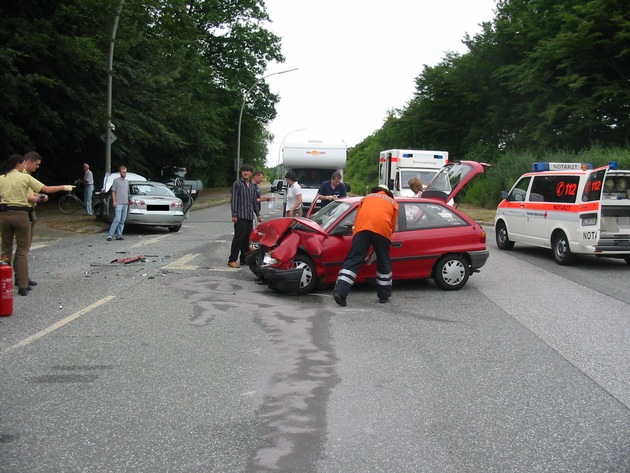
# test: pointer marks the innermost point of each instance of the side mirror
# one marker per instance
(391, 184)
(342, 230)
(279, 187)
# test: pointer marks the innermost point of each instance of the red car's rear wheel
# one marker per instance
(451, 272)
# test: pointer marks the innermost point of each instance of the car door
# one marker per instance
(336, 246)
(424, 233)
(513, 211)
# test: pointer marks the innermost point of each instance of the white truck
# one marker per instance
(313, 162)
(397, 166)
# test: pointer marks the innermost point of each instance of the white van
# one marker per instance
(570, 208)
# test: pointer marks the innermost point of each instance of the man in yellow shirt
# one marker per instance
(373, 227)
(32, 161)
(14, 215)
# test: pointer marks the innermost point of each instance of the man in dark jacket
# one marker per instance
(244, 207)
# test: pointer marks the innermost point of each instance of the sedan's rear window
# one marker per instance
(147, 189)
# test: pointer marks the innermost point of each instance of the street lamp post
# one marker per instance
(282, 145)
(110, 67)
(240, 118)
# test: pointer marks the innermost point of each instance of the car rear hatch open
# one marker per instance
(449, 183)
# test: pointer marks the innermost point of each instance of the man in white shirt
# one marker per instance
(294, 195)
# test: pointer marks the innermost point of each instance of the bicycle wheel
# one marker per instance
(69, 204)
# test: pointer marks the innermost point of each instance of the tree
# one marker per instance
(179, 73)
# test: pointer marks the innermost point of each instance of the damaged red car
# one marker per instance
(432, 240)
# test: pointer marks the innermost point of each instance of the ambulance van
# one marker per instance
(570, 208)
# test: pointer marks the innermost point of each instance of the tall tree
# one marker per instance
(180, 70)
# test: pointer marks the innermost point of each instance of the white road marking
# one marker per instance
(149, 241)
(181, 263)
(36, 246)
(59, 324)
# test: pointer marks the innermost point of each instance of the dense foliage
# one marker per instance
(545, 78)
(180, 73)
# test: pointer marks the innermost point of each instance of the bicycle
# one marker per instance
(70, 203)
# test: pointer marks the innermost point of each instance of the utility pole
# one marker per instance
(109, 127)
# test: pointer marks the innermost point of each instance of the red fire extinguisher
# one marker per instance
(6, 289)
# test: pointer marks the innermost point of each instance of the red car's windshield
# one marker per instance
(330, 214)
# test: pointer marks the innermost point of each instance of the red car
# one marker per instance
(432, 240)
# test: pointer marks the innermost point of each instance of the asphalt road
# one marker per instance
(179, 363)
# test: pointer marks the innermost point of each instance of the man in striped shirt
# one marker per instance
(244, 207)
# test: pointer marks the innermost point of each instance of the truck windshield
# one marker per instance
(312, 178)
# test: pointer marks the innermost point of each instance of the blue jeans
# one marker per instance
(87, 194)
(118, 225)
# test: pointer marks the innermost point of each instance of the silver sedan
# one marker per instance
(150, 203)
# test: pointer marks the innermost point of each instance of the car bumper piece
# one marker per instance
(478, 258)
(284, 280)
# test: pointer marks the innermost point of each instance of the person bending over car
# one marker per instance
(331, 190)
(373, 227)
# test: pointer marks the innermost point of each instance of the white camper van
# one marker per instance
(313, 162)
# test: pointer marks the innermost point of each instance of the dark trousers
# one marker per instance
(361, 243)
(240, 243)
(15, 224)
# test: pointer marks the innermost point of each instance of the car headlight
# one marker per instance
(268, 260)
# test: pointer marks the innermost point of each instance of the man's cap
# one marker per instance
(382, 188)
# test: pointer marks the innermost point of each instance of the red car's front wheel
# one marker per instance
(308, 281)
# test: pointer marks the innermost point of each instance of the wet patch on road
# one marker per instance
(302, 372)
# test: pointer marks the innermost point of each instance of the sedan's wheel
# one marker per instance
(561, 250)
(451, 272)
(308, 281)
(502, 237)
(253, 261)
(98, 212)
(174, 228)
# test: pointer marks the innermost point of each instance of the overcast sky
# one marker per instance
(356, 60)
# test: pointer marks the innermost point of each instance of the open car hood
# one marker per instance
(269, 233)
(452, 179)
(109, 179)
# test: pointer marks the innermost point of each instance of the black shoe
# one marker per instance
(119, 238)
(23, 291)
(32, 283)
(339, 299)
(383, 301)
(28, 288)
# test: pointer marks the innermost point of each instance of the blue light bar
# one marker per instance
(546, 166)
(537, 167)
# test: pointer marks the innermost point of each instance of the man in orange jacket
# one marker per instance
(373, 227)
